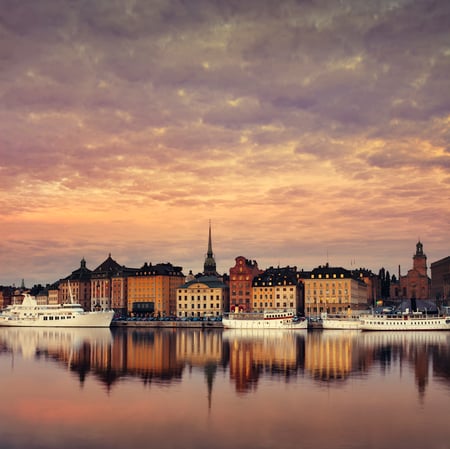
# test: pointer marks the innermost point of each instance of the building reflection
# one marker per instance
(254, 353)
(418, 350)
(334, 355)
(163, 355)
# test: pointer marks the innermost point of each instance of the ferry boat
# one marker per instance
(416, 321)
(268, 319)
(344, 322)
(32, 314)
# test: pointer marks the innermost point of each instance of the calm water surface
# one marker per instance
(223, 389)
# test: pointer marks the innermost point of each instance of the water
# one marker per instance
(200, 389)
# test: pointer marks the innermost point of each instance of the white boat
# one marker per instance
(268, 319)
(344, 322)
(32, 314)
(405, 322)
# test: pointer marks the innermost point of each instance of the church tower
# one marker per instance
(420, 260)
(209, 267)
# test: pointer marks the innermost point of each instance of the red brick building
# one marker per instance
(416, 284)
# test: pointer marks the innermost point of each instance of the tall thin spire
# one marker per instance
(209, 267)
(210, 251)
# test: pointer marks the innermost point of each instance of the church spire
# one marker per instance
(209, 267)
(210, 252)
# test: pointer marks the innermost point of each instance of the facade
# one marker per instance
(241, 280)
(416, 284)
(277, 288)
(101, 284)
(204, 297)
(440, 279)
(5, 296)
(119, 290)
(152, 289)
(79, 284)
(373, 284)
(333, 290)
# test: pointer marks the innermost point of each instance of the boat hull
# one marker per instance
(87, 319)
(405, 324)
(264, 324)
(344, 324)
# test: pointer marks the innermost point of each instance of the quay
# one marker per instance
(184, 324)
(169, 324)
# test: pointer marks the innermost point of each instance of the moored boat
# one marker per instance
(31, 314)
(405, 322)
(344, 322)
(268, 319)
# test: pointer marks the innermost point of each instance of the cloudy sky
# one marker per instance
(307, 131)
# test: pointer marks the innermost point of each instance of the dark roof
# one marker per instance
(276, 276)
(209, 281)
(326, 269)
(108, 266)
(160, 269)
(81, 274)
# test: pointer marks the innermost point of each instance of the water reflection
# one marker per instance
(256, 353)
(186, 388)
(161, 356)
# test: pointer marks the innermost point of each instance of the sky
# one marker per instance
(308, 132)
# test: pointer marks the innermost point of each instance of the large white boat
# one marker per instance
(344, 322)
(272, 319)
(405, 322)
(31, 314)
(341, 323)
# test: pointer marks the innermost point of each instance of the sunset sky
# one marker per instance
(306, 131)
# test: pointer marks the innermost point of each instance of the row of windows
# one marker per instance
(211, 306)
(327, 292)
(334, 276)
(62, 317)
(198, 297)
(327, 284)
(270, 296)
(320, 300)
(270, 304)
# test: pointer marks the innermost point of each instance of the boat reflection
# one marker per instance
(31, 341)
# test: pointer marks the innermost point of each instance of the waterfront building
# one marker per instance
(240, 283)
(5, 296)
(373, 283)
(277, 288)
(119, 290)
(334, 290)
(101, 284)
(203, 297)
(440, 279)
(152, 289)
(77, 284)
(53, 293)
(415, 284)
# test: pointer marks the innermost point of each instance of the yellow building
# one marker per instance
(277, 288)
(152, 289)
(333, 290)
(204, 297)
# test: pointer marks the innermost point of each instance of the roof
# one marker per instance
(209, 281)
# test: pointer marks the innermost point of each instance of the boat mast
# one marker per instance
(70, 292)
